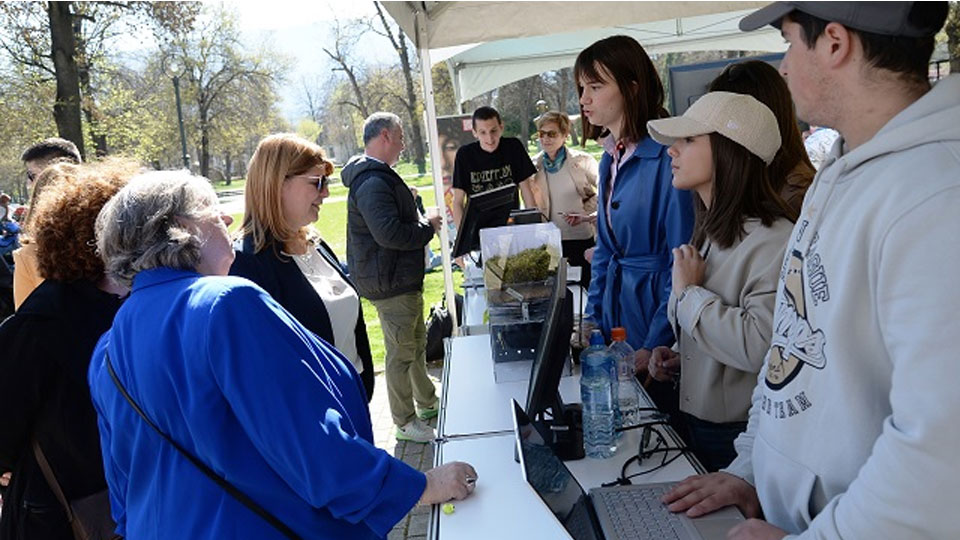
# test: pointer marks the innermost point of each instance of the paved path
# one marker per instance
(420, 456)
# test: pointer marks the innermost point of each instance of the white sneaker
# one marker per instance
(416, 431)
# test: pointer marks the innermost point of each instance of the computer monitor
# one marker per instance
(544, 403)
(487, 209)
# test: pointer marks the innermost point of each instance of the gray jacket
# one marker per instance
(385, 233)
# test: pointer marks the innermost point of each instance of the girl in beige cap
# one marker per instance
(725, 280)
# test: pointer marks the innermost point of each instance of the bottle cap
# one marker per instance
(619, 334)
(596, 338)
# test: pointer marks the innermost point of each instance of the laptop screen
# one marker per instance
(551, 479)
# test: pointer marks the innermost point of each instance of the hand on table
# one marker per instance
(451, 481)
(688, 267)
(702, 494)
(755, 529)
(664, 364)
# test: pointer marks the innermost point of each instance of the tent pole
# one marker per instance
(454, 75)
(430, 111)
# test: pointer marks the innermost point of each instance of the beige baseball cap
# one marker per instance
(738, 117)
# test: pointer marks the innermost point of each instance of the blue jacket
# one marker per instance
(631, 268)
(280, 276)
(219, 366)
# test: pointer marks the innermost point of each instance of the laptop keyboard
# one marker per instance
(639, 514)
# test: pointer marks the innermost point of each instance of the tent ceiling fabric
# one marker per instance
(519, 39)
(458, 23)
(491, 65)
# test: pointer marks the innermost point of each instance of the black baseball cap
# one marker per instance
(884, 18)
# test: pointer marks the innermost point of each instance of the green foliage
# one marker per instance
(308, 129)
(529, 265)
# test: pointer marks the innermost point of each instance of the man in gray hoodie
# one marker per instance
(386, 236)
(852, 430)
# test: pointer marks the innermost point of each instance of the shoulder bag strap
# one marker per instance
(237, 494)
(51, 479)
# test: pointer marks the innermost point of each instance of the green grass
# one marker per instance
(236, 183)
(332, 226)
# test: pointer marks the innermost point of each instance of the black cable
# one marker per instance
(657, 419)
(662, 447)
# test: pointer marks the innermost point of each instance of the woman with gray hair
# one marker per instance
(202, 372)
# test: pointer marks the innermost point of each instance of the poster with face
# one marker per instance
(454, 132)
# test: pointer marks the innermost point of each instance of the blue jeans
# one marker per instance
(712, 442)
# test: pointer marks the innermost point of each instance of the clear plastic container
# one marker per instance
(628, 397)
(597, 386)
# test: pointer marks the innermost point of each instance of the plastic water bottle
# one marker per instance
(627, 397)
(597, 385)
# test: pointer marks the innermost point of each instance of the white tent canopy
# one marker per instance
(489, 44)
(491, 65)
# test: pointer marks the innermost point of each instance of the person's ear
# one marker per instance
(836, 44)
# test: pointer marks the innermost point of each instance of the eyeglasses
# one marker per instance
(30, 176)
(322, 181)
(548, 134)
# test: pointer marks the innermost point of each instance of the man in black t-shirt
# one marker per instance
(490, 162)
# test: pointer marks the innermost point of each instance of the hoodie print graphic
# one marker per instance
(796, 341)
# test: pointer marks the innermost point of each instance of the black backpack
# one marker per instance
(440, 325)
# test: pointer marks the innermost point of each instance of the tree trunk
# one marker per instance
(87, 104)
(204, 141)
(66, 110)
(416, 133)
(227, 169)
(89, 108)
(565, 88)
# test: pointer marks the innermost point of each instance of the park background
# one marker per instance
(109, 75)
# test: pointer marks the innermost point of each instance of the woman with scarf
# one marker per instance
(565, 189)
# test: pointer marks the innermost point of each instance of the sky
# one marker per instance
(299, 29)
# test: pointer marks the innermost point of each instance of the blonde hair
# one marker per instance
(277, 156)
(560, 119)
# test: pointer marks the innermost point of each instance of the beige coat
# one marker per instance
(582, 167)
(725, 325)
(26, 274)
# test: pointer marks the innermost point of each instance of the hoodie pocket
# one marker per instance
(784, 486)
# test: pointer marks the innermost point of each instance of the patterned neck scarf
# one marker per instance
(555, 164)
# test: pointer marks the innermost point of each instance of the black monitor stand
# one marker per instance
(563, 426)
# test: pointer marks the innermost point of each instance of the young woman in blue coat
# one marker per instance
(641, 216)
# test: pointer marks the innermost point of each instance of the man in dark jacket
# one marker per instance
(386, 236)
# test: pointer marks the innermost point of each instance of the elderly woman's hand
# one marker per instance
(449, 481)
(688, 267)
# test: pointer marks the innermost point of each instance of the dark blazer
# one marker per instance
(47, 348)
(280, 276)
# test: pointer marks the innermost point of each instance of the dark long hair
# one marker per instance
(635, 76)
(741, 190)
(763, 82)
